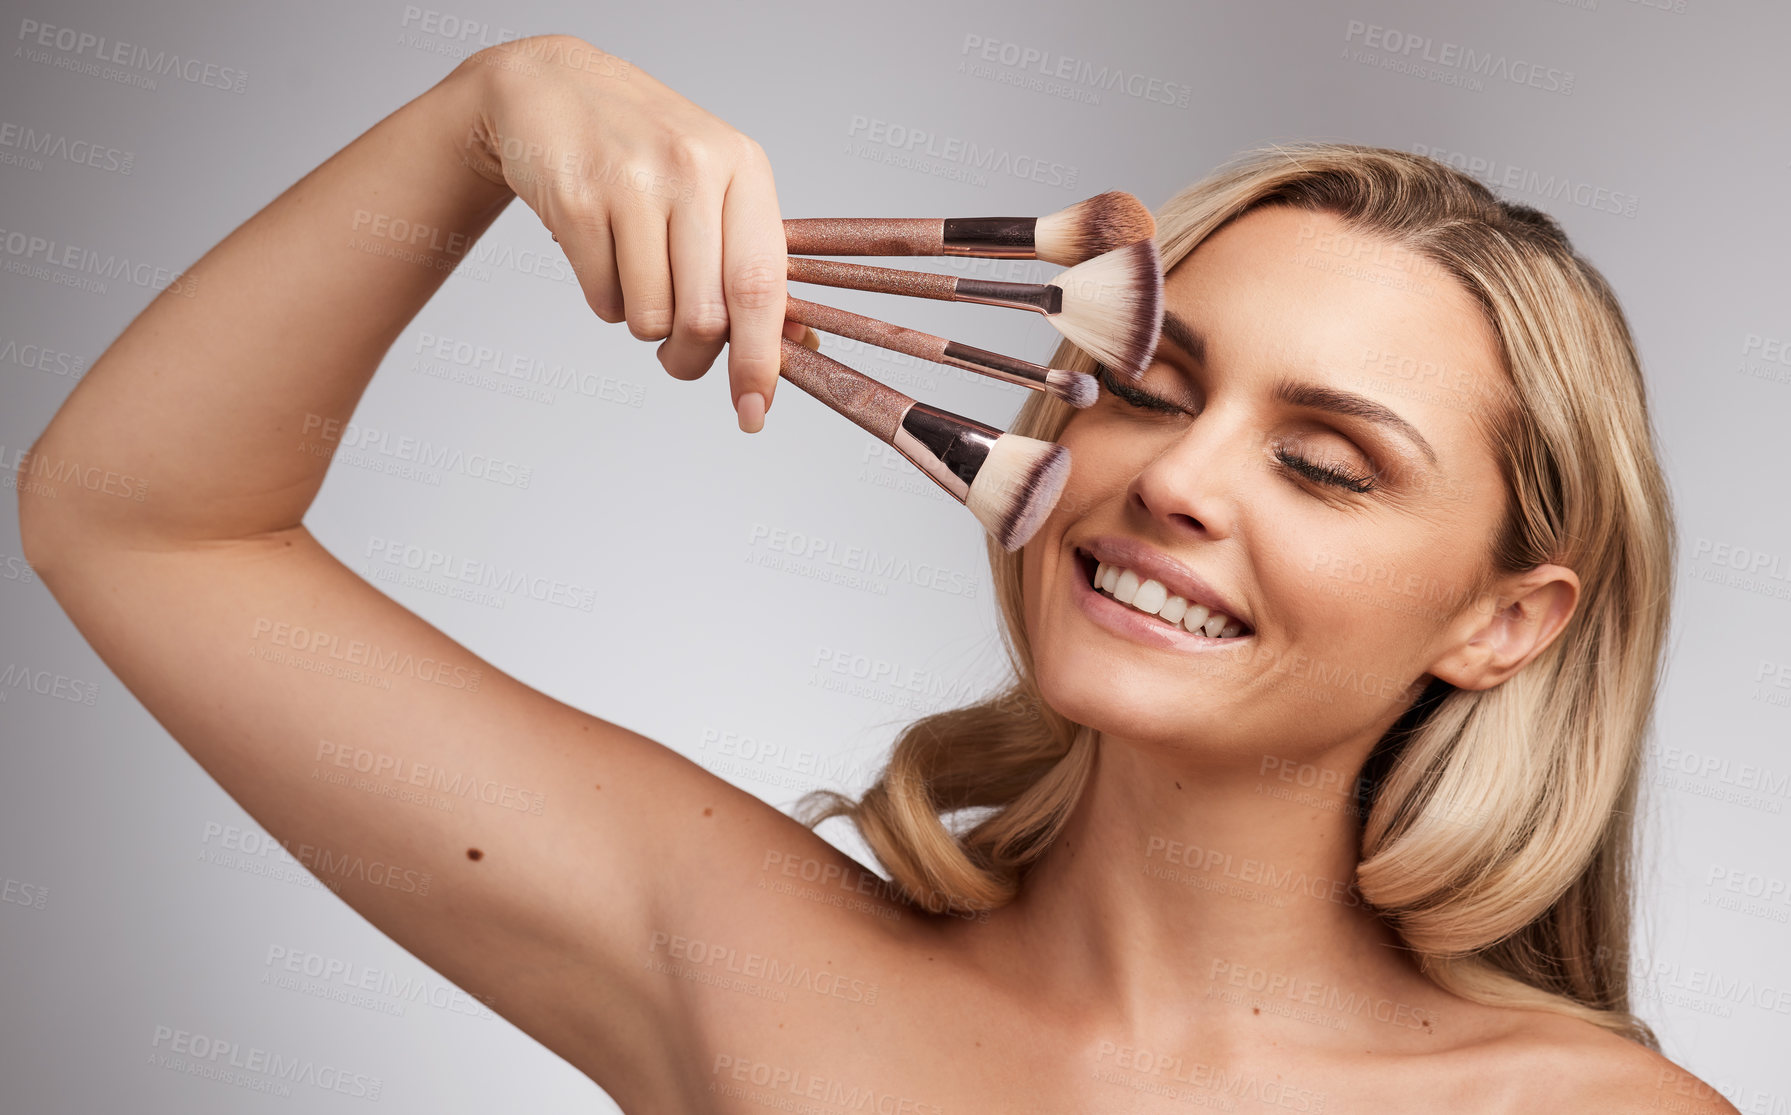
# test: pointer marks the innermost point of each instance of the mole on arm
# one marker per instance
(474, 854)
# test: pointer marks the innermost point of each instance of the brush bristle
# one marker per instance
(1091, 228)
(1017, 486)
(1078, 389)
(1113, 307)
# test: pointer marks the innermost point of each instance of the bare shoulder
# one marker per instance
(1568, 1065)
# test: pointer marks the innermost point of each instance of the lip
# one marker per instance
(1130, 623)
(1157, 566)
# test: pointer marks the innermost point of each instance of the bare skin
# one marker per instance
(602, 925)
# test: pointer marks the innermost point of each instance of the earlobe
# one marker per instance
(1513, 623)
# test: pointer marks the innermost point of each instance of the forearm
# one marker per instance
(212, 413)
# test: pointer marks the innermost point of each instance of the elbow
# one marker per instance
(46, 520)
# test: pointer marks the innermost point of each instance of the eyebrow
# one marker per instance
(1309, 395)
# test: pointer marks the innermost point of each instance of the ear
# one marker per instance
(1517, 620)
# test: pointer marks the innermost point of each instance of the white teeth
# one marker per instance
(1153, 598)
(1150, 597)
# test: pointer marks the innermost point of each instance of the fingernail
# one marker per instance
(751, 412)
(811, 339)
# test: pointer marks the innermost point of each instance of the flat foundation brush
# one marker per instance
(1075, 388)
(1009, 482)
(1067, 237)
(1110, 307)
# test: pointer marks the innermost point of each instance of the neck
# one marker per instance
(1177, 891)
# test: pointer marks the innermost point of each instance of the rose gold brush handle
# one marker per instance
(882, 280)
(1043, 298)
(988, 237)
(842, 323)
(863, 236)
(872, 405)
(938, 350)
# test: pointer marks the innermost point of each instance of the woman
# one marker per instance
(1369, 852)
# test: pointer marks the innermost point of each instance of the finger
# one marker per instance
(639, 228)
(699, 310)
(591, 252)
(753, 264)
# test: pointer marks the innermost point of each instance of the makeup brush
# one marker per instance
(1067, 237)
(1009, 482)
(1075, 388)
(1110, 307)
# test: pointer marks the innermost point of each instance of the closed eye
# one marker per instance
(1291, 462)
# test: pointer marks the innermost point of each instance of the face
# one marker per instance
(1274, 468)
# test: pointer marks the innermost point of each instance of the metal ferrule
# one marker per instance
(947, 447)
(1045, 298)
(990, 237)
(1009, 368)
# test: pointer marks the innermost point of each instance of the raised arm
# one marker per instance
(270, 662)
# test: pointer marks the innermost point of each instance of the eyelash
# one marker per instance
(1322, 474)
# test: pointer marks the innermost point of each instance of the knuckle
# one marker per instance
(748, 150)
(756, 284)
(690, 153)
(650, 323)
(706, 321)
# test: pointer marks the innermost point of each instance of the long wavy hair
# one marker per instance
(1529, 905)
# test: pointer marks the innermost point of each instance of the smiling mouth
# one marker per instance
(1139, 594)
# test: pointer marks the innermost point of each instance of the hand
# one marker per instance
(668, 216)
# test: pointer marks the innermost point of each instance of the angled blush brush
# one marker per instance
(1009, 482)
(1067, 237)
(1075, 388)
(1110, 307)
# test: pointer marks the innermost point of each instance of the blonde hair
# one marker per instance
(1530, 905)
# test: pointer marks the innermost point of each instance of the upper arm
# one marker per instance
(526, 850)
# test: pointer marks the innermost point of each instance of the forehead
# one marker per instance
(1306, 293)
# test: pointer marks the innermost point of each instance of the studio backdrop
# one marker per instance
(513, 434)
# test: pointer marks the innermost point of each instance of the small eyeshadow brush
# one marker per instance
(1075, 388)
(1009, 482)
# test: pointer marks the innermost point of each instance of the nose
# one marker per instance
(1192, 485)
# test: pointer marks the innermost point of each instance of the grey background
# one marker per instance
(114, 923)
